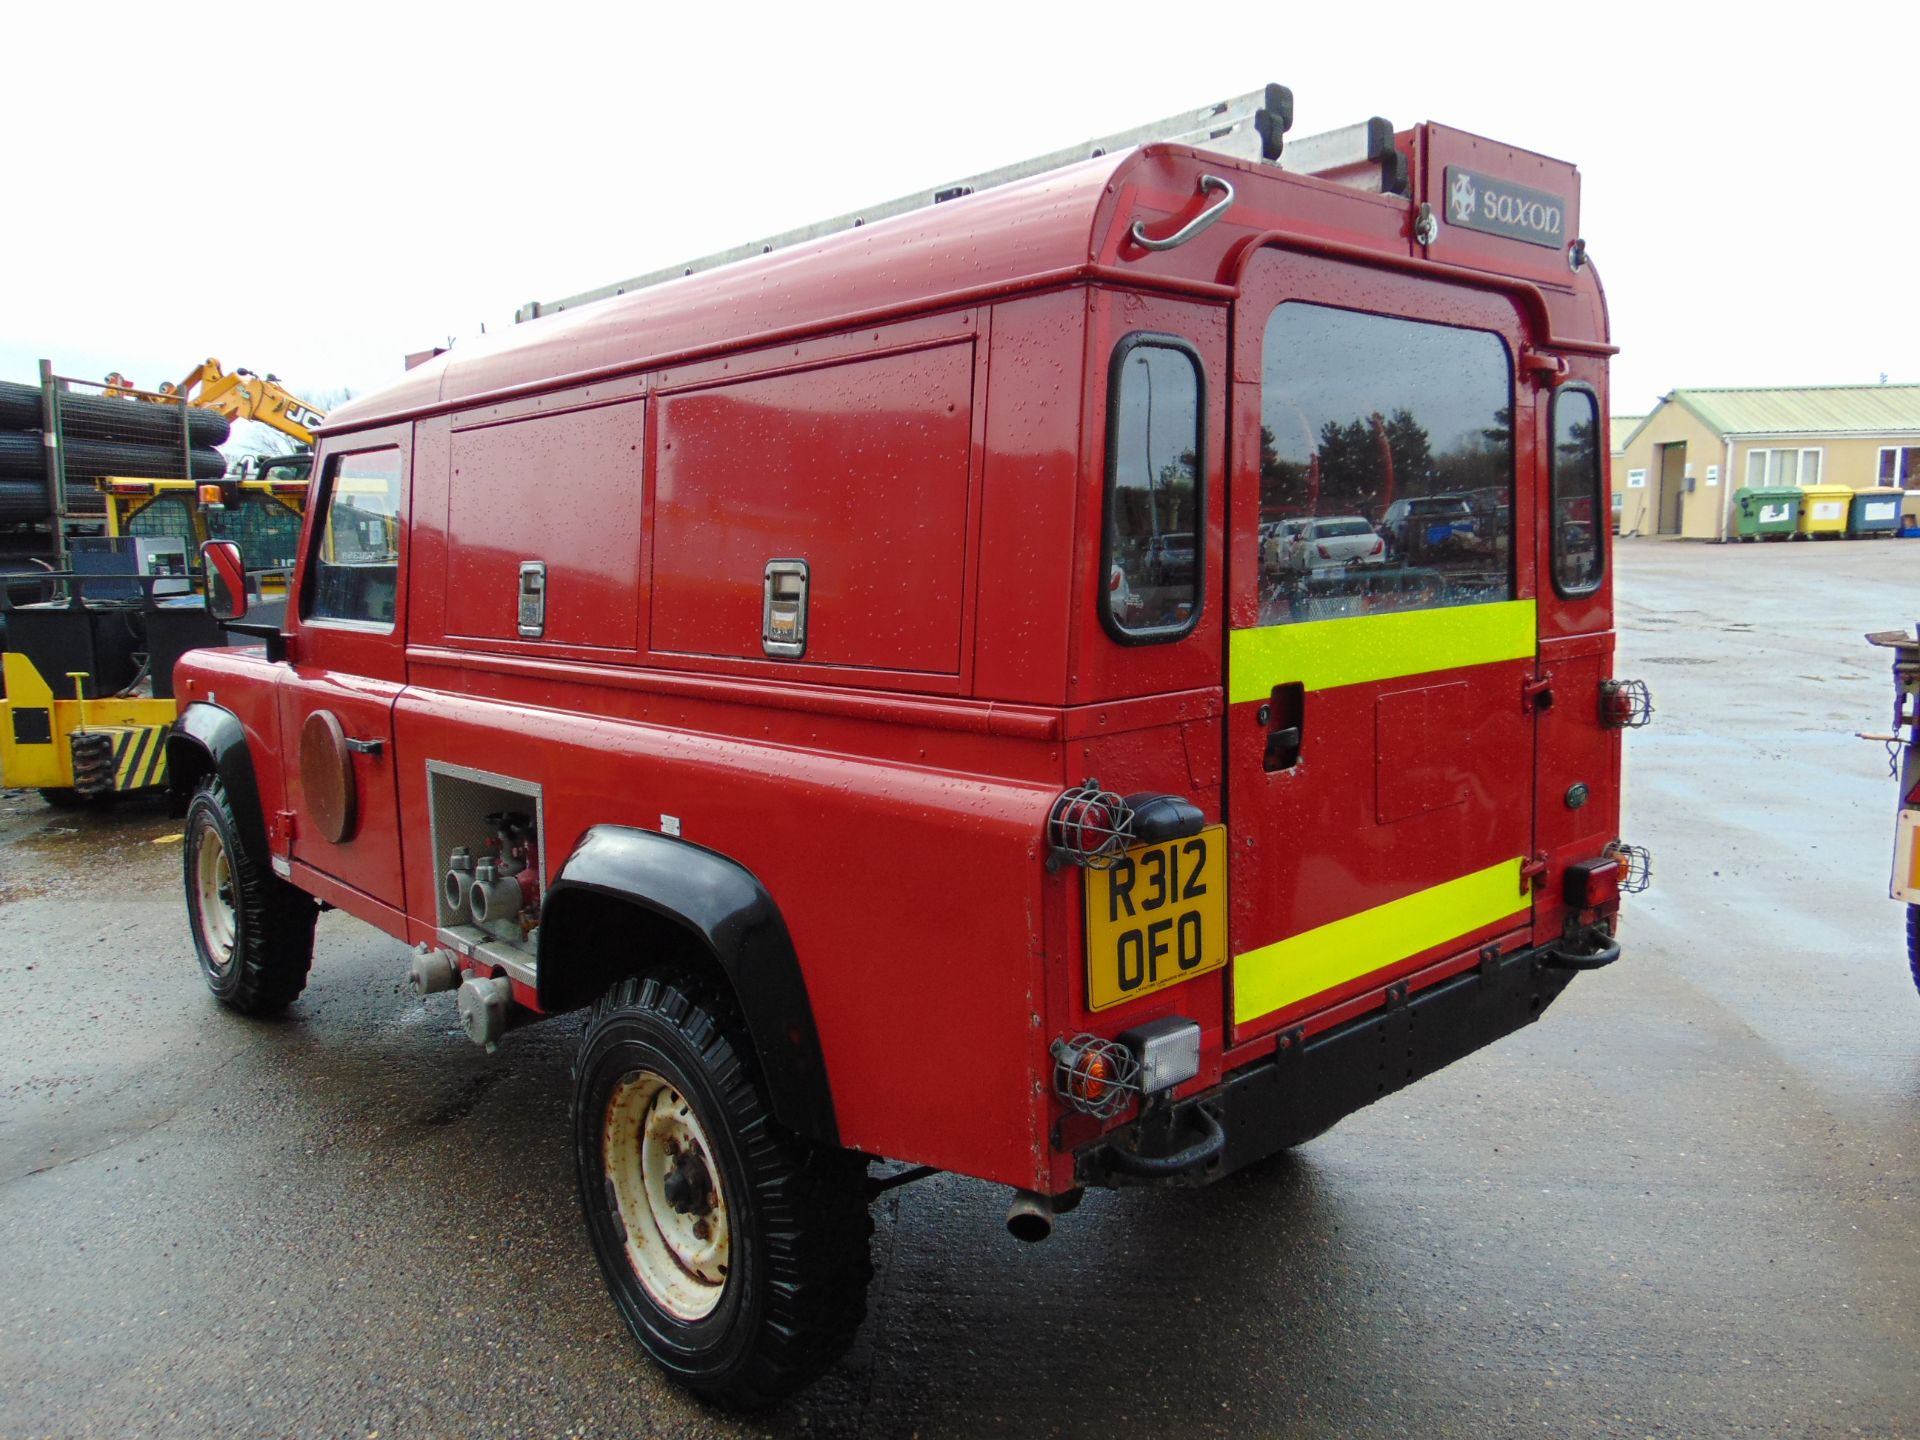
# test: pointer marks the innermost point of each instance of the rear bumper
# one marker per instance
(1308, 1085)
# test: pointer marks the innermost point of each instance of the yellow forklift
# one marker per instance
(92, 629)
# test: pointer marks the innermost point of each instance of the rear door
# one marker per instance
(1380, 757)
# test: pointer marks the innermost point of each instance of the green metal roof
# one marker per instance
(1622, 428)
(1806, 409)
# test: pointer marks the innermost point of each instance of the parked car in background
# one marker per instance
(1275, 536)
(1336, 540)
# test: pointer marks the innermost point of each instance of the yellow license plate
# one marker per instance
(1157, 917)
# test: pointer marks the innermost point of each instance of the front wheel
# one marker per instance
(252, 932)
(736, 1253)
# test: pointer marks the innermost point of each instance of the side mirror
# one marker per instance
(226, 578)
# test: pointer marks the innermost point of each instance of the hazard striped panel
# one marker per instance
(139, 754)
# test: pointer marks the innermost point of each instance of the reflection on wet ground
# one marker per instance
(1680, 1205)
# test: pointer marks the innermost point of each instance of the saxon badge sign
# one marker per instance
(1500, 207)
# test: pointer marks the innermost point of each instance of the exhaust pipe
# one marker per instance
(1030, 1216)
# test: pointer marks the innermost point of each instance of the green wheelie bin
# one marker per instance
(1763, 512)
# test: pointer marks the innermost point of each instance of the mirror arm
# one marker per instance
(260, 630)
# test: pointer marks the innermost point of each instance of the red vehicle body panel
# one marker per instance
(917, 408)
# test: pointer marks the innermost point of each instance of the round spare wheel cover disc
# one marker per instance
(326, 776)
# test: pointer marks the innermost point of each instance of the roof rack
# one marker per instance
(1250, 127)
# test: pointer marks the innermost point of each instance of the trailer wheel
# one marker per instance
(736, 1253)
(252, 932)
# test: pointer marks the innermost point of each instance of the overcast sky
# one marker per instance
(316, 190)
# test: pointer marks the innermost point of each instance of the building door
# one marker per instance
(1673, 486)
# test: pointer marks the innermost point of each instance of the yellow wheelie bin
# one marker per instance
(1824, 509)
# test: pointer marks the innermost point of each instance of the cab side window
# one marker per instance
(1156, 500)
(1577, 557)
(356, 569)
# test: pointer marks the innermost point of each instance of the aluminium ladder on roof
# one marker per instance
(1249, 127)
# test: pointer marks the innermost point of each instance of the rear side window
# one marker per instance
(1577, 557)
(1397, 426)
(356, 570)
(1156, 500)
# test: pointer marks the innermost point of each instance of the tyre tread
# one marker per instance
(810, 1199)
(274, 947)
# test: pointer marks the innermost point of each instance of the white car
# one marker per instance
(1335, 541)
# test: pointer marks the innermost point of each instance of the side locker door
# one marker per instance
(1381, 656)
(347, 647)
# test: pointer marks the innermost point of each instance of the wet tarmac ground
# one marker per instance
(1686, 1203)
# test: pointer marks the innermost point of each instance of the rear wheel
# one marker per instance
(252, 932)
(736, 1253)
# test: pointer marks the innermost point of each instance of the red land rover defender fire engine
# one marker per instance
(856, 675)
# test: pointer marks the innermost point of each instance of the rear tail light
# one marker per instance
(1325, 554)
(1593, 884)
(1094, 1076)
(1625, 704)
(1378, 546)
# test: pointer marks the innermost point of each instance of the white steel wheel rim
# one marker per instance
(665, 1186)
(213, 885)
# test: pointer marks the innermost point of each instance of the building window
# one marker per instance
(1900, 466)
(1775, 468)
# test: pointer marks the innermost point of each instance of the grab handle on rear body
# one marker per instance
(1563, 957)
(1213, 1140)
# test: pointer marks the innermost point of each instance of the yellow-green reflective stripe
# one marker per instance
(1322, 654)
(1278, 975)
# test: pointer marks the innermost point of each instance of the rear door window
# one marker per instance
(1577, 557)
(1155, 494)
(1398, 426)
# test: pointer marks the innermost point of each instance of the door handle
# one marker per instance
(1284, 717)
(366, 747)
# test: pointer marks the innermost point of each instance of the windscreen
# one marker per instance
(1396, 428)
